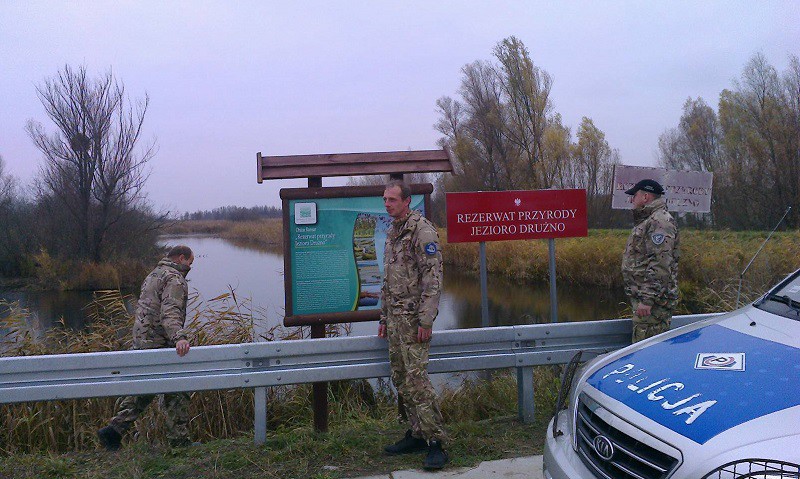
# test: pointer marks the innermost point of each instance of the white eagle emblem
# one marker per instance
(517, 201)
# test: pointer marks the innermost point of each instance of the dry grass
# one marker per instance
(208, 227)
(60, 426)
(71, 425)
(62, 275)
(261, 233)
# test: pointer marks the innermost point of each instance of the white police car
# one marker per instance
(716, 399)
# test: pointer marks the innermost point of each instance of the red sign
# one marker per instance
(515, 215)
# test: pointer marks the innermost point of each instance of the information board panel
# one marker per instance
(333, 252)
(515, 215)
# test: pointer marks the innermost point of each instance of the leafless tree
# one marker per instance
(93, 166)
(505, 134)
(526, 90)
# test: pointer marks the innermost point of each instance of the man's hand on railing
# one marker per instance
(182, 347)
(424, 334)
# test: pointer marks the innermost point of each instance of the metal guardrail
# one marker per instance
(260, 365)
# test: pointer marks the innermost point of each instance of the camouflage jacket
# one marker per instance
(161, 310)
(650, 261)
(412, 271)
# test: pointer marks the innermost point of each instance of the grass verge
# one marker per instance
(350, 449)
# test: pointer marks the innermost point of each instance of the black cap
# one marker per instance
(650, 186)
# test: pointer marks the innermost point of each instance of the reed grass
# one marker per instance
(60, 426)
(63, 274)
(206, 227)
(265, 233)
(708, 270)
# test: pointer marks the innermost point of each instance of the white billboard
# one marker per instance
(684, 191)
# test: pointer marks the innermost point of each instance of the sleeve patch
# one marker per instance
(430, 249)
(657, 238)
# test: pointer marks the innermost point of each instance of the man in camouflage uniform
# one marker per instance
(412, 277)
(160, 317)
(650, 261)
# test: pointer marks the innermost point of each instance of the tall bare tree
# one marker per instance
(696, 143)
(473, 132)
(527, 94)
(505, 134)
(93, 166)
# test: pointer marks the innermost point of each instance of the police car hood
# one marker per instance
(709, 377)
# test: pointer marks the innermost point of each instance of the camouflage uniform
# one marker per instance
(411, 289)
(650, 268)
(160, 316)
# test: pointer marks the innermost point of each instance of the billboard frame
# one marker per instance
(290, 194)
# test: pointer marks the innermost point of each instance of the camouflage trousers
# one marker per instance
(655, 323)
(409, 362)
(175, 407)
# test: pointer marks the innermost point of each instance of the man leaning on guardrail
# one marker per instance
(412, 277)
(160, 318)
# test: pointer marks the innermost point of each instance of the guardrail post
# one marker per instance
(525, 400)
(260, 415)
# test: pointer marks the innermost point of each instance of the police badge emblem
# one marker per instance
(657, 238)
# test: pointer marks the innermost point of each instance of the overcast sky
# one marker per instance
(229, 79)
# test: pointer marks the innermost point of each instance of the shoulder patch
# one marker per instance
(657, 238)
(430, 249)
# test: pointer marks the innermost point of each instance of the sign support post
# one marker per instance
(477, 217)
(487, 374)
(551, 246)
(484, 288)
(319, 390)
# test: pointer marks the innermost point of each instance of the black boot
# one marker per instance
(109, 438)
(436, 458)
(407, 445)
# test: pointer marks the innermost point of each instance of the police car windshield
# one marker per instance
(785, 299)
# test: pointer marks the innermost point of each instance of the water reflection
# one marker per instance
(46, 308)
(511, 303)
(221, 266)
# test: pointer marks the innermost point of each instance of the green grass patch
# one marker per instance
(352, 448)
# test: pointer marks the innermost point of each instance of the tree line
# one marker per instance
(235, 213)
(751, 143)
(504, 133)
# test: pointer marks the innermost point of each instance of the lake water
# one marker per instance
(257, 276)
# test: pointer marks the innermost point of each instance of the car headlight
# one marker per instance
(756, 469)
